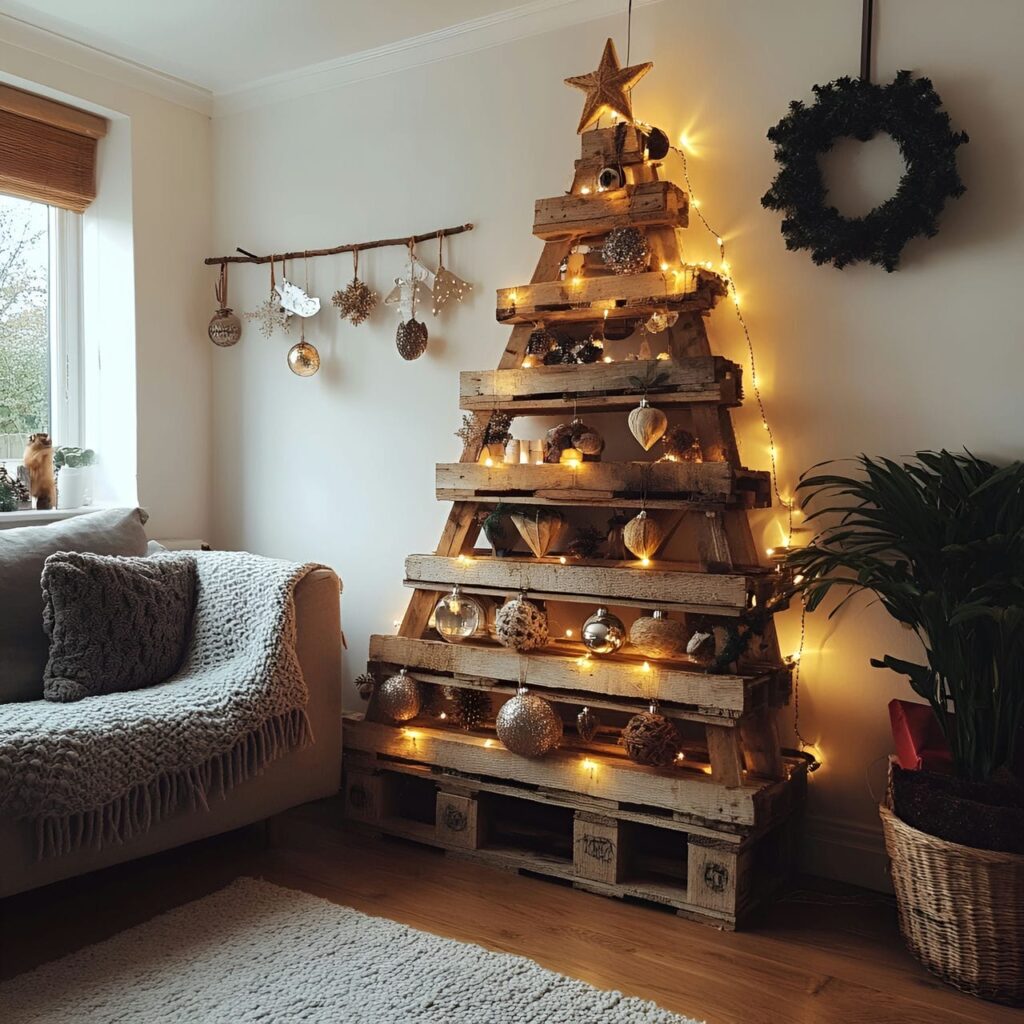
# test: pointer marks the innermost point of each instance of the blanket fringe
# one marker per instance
(144, 805)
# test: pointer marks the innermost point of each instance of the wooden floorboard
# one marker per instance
(823, 955)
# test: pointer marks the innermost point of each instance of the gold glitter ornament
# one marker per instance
(527, 725)
(626, 251)
(356, 301)
(399, 697)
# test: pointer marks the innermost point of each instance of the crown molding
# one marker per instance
(531, 19)
(54, 46)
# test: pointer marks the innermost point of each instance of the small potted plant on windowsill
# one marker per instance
(939, 541)
(74, 476)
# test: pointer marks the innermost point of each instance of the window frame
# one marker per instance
(67, 362)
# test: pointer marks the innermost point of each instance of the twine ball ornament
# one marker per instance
(303, 358)
(642, 535)
(527, 725)
(587, 724)
(626, 251)
(603, 632)
(411, 339)
(399, 697)
(647, 424)
(457, 617)
(657, 636)
(651, 739)
(521, 625)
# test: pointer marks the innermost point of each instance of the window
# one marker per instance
(40, 325)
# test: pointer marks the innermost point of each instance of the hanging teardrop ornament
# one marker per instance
(587, 724)
(647, 424)
(642, 535)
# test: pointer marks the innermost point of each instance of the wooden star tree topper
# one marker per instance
(608, 87)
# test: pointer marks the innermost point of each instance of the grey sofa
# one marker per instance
(306, 774)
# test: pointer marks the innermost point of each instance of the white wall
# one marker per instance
(168, 172)
(339, 468)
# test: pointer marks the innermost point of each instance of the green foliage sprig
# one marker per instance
(940, 542)
(72, 457)
(909, 110)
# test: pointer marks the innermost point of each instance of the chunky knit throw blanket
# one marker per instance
(108, 767)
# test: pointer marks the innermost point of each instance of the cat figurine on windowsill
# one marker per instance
(42, 483)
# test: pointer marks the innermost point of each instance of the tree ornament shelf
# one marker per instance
(712, 833)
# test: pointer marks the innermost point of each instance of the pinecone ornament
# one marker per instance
(411, 339)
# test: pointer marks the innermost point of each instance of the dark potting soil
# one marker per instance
(987, 816)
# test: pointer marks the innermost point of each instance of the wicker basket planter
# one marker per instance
(961, 910)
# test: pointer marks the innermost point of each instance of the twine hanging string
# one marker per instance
(866, 26)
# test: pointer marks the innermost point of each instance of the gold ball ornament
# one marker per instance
(603, 632)
(651, 739)
(225, 328)
(399, 697)
(521, 625)
(647, 424)
(458, 617)
(411, 339)
(527, 725)
(303, 359)
(657, 636)
(642, 535)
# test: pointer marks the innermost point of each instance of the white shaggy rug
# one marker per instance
(255, 953)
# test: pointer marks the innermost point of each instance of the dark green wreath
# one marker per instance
(911, 112)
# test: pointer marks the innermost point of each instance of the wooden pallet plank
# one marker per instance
(682, 289)
(693, 793)
(662, 584)
(596, 213)
(718, 877)
(600, 386)
(598, 851)
(458, 820)
(725, 755)
(624, 675)
(684, 485)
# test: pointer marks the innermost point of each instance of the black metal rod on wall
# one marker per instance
(867, 17)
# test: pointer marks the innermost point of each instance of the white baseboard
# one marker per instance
(846, 851)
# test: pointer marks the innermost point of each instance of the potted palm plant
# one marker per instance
(939, 541)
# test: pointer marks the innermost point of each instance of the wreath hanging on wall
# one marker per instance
(910, 111)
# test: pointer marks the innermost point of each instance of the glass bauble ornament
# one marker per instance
(521, 625)
(587, 724)
(626, 251)
(650, 738)
(411, 339)
(399, 697)
(603, 632)
(657, 636)
(303, 359)
(458, 617)
(225, 328)
(527, 725)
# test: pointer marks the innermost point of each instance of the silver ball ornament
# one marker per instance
(603, 632)
(399, 697)
(527, 725)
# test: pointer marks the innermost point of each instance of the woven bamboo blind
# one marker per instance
(48, 150)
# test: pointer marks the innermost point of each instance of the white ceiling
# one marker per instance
(225, 45)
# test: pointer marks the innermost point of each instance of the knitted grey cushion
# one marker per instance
(114, 623)
(23, 550)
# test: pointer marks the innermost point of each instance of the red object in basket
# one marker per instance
(917, 737)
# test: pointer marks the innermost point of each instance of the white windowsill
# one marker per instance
(40, 517)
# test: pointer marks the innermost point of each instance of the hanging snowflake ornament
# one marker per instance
(269, 315)
(356, 301)
(447, 287)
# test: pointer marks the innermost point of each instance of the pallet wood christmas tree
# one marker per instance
(710, 834)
